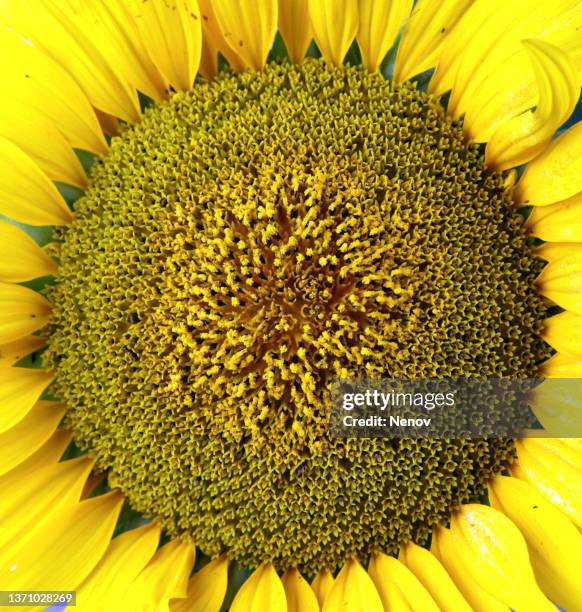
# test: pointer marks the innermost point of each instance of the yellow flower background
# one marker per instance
(71, 73)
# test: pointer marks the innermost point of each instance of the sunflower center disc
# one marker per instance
(245, 243)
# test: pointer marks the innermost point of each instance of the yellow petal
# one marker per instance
(427, 568)
(380, 23)
(479, 599)
(64, 35)
(322, 585)
(20, 389)
(172, 33)
(29, 434)
(353, 590)
(557, 405)
(573, 443)
(335, 25)
(295, 27)
(556, 479)
(30, 503)
(36, 80)
(262, 592)
(212, 42)
(14, 351)
(164, 577)
(494, 553)
(560, 222)
(552, 251)
(26, 194)
(556, 447)
(398, 587)
(21, 259)
(560, 281)
(564, 333)
(462, 45)
(562, 366)
(522, 138)
(22, 311)
(501, 97)
(486, 66)
(206, 589)
(554, 544)
(248, 26)
(50, 452)
(115, 32)
(65, 549)
(556, 174)
(429, 25)
(39, 138)
(300, 596)
(125, 557)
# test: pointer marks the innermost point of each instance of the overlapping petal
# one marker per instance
(484, 64)
(562, 366)
(28, 504)
(322, 585)
(561, 279)
(494, 554)
(433, 576)
(248, 27)
(295, 27)
(29, 434)
(554, 544)
(553, 251)
(478, 598)
(125, 558)
(564, 332)
(50, 452)
(21, 259)
(554, 472)
(172, 34)
(520, 139)
(430, 24)
(17, 349)
(379, 24)
(22, 312)
(559, 222)
(206, 589)
(62, 551)
(353, 590)
(397, 586)
(556, 174)
(213, 41)
(37, 80)
(26, 193)
(54, 27)
(20, 389)
(35, 133)
(165, 577)
(335, 25)
(557, 405)
(116, 33)
(300, 596)
(262, 592)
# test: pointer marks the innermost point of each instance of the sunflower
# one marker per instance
(214, 208)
